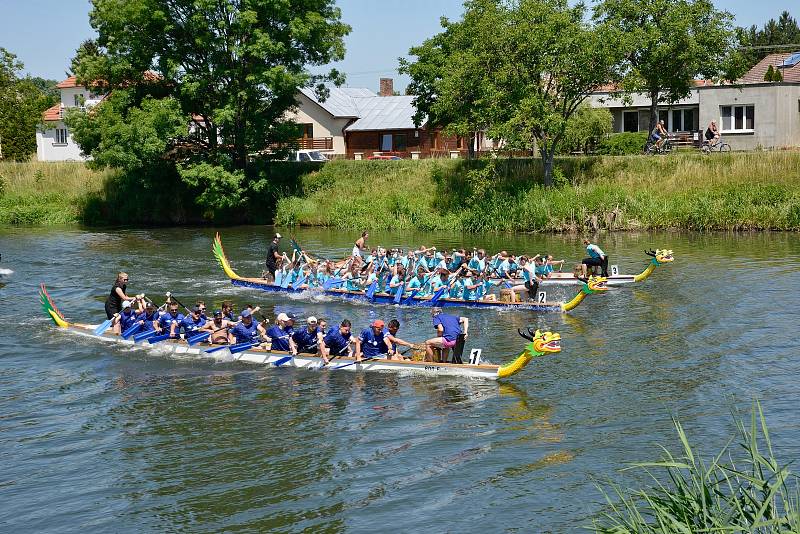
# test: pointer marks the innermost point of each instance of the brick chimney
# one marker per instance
(387, 87)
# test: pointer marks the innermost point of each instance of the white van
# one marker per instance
(306, 155)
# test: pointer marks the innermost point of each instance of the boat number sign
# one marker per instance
(614, 270)
(475, 356)
(541, 297)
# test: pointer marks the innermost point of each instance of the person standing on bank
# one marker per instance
(597, 258)
(273, 256)
(118, 296)
(448, 328)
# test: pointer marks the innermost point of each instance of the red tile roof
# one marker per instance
(69, 82)
(756, 74)
(52, 114)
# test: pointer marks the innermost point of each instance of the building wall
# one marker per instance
(776, 120)
(325, 125)
(428, 143)
(48, 150)
(68, 97)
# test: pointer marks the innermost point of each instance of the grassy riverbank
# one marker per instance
(736, 191)
(51, 193)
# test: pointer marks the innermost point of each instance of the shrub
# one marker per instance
(623, 144)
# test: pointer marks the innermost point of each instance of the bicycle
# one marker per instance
(650, 147)
(708, 148)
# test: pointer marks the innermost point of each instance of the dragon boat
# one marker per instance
(658, 257)
(540, 344)
(595, 284)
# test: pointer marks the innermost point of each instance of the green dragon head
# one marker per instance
(542, 343)
(660, 256)
(595, 284)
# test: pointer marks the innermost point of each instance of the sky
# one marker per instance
(45, 33)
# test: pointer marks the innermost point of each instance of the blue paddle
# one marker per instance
(438, 295)
(285, 281)
(102, 327)
(161, 337)
(144, 335)
(371, 290)
(283, 360)
(241, 347)
(399, 294)
(131, 330)
(197, 338)
(299, 282)
(278, 278)
(330, 282)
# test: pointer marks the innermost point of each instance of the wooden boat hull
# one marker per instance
(567, 279)
(269, 358)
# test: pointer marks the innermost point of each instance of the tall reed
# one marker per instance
(738, 490)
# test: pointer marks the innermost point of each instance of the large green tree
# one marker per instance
(774, 36)
(520, 69)
(232, 66)
(670, 43)
(22, 101)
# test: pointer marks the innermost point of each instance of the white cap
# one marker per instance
(126, 304)
(282, 317)
(311, 320)
(278, 235)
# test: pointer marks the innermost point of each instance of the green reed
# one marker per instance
(738, 490)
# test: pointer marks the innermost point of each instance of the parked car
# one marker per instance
(306, 155)
(384, 157)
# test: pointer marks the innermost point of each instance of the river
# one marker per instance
(97, 438)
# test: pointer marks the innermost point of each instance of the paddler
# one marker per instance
(370, 343)
(148, 319)
(392, 341)
(530, 279)
(126, 318)
(306, 339)
(218, 327)
(597, 258)
(280, 334)
(166, 320)
(117, 295)
(448, 328)
(273, 257)
(227, 311)
(337, 342)
(190, 324)
(248, 329)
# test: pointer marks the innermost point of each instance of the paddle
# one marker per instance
(102, 327)
(438, 295)
(131, 330)
(283, 360)
(161, 337)
(285, 281)
(354, 363)
(241, 347)
(371, 290)
(330, 282)
(299, 282)
(144, 335)
(399, 294)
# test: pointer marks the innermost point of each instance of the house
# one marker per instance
(751, 113)
(356, 123)
(54, 141)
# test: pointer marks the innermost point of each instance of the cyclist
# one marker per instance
(712, 134)
(658, 135)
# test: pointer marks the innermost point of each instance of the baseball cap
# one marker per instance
(282, 317)
(245, 313)
(311, 320)
(217, 313)
(290, 316)
(377, 323)
(436, 311)
(126, 304)
(278, 235)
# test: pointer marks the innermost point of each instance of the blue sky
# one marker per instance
(45, 33)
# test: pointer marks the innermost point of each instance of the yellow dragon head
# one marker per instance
(595, 284)
(660, 256)
(542, 343)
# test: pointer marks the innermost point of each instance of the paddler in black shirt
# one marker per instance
(272, 257)
(117, 295)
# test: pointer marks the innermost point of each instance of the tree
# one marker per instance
(232, 66)
(21, 105)
(520, 69)
(772, 37)
(670, 43)
(586, 129)
(770, 74)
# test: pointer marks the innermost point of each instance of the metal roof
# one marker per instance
(340, 102)
(384, 113)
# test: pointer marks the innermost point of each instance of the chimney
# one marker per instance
(387, 87)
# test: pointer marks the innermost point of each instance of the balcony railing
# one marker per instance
(315, 143)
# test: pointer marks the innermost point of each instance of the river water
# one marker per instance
(96, 438)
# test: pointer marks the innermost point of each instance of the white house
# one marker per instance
(54, 142)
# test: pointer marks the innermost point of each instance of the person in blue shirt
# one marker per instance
(248, 329)
(337, 342)
(392, 341)
(165, 321)
(478, 261)
(189, 324)
(281, 332)
(448, 328)
(305, 340)
(126, 318)
(227, 311)
(530, 278)
(470, 287)
(597, 258)
(148, 319)
(370, 343)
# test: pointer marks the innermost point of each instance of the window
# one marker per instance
(308, 131)
(737, 118)
(682, 120)
(663, 115)
(394, 142)
(630, 121)
(386, 143)
(78, 99)
(61, 136)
